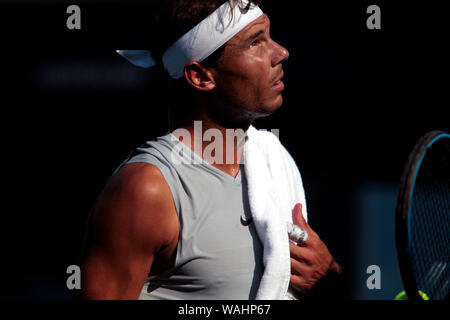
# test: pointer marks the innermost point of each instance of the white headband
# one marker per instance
(200, 42)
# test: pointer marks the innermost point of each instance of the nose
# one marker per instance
(280, 54)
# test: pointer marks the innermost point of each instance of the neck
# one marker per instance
(218, 144)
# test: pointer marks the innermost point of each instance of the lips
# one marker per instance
(278, 80)
(278, 84)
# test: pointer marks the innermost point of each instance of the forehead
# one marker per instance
(261, 23)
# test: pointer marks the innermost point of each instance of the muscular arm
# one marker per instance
(133, 220)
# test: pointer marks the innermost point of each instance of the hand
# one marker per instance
(310, 261)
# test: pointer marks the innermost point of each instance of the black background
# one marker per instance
(356, 101)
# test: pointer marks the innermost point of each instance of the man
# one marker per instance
(161, 230)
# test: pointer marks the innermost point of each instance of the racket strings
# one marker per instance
(429, 222)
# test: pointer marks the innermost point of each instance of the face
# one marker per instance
(249, 71)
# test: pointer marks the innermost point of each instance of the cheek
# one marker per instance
(259, 70)
(247, 79)
(251, 67)
(256, 78)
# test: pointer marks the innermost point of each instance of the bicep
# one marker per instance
(125, 232)
(114, 275)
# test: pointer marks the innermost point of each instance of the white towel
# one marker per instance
(274, 188)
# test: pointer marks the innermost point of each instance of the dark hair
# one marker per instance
(177, 17)
(174, 19)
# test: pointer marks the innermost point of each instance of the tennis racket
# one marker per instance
(423, 219)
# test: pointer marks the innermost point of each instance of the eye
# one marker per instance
(255, 43)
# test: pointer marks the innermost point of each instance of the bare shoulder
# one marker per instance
(137, 205)
(132, 222)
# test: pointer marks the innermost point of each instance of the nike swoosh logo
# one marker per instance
(245, 10)
(245, 223)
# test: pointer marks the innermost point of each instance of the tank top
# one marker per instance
(219, 255)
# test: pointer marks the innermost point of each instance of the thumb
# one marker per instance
(297, 216)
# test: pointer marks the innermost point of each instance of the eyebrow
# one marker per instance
(255, 35)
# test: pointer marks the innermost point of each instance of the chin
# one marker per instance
(273, 106)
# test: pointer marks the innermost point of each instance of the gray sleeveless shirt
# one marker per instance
(219, 255)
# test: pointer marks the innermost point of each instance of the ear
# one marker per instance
(199, 77)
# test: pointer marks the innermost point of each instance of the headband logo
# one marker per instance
(245, 10)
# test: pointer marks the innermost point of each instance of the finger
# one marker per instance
(298, 218)
(335, 268)
(298, 268)
(300, 284)
(297, 281)
(302, 254)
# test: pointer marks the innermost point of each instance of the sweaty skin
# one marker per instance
(133, 230)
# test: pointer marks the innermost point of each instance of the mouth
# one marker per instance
(278, 85)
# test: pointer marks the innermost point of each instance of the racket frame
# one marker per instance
(403, 210)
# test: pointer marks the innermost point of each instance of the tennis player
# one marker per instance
(161, 230)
